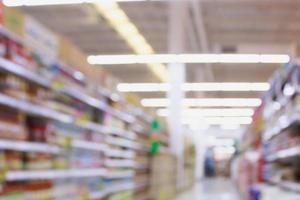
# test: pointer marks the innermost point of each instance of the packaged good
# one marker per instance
(12, 125)
(38, 130)
(80, 158)
(14, 160)
(3, 46)
(13, 86)
(37, 161)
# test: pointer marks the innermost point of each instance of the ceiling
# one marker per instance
(243, 26)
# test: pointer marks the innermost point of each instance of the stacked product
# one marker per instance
(60, 137)
(279, 139)
(163, 176)
(281, 134)
(142, 168)
(189, 165)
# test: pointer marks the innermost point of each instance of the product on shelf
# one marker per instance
(38, 161)
(13, 86)
(276, 141)
(59, 138)
(12, 124)
(14, 160)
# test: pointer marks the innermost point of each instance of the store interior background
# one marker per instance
(227, 135)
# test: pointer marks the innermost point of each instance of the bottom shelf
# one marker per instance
(111, 190)
(290, 186)
(280, 191)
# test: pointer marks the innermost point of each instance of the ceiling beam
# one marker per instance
(201, 34)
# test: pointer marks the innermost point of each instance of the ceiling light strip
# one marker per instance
(187, 58)
(208, 112)
(118, 19)
(204, 87)
(205, 102)
(15, 3)
(218, 120)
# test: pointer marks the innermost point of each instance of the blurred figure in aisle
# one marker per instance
(209, 168)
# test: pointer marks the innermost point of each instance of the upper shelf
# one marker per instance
(34, 109)
(97, 104)
(18, 70)
(24, 146)
(43, 111)
(283, 122)
(284, 154)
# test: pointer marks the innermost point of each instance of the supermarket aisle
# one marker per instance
(211, 189)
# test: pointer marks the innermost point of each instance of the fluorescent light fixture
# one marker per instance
(223, 142)
(143, 87)
(243, 86)
(205, 102)
(199, 127)
(224, 150)
(204, 87)
(230, 126)
(222, 112)
(14, 3)
(121, 23)
(218, 120)
(188, 58)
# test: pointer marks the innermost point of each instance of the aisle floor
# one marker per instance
(211, 189)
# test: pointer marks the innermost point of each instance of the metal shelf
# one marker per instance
(282, 123)
(111, 190)
(93, 127)
(121, 187)
(120, 153)
(11, 67)
(94, 102)
(122, 115)
(89, 145)
(120, 174)
(291, 186)
(34, 109)
(283, 154)
(125, 143)
(11, 35)
(107, 130)
(39, 110)
(122, 133)
(98, 194)
(119, 163)
(29, 146)
(53, 174)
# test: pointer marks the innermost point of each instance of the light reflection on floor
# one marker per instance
(211, 189)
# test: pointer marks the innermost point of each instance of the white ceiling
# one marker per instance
(266, 26)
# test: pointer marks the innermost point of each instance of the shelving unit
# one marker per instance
(284, 154)
(101, 148)
(28, 146)
(273, 140)
(281, 135)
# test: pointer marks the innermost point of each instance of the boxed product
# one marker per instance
(12, 125)
(36, 161)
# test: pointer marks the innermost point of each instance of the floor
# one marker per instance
(211, 189)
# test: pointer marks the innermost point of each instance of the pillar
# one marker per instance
(177, 16)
